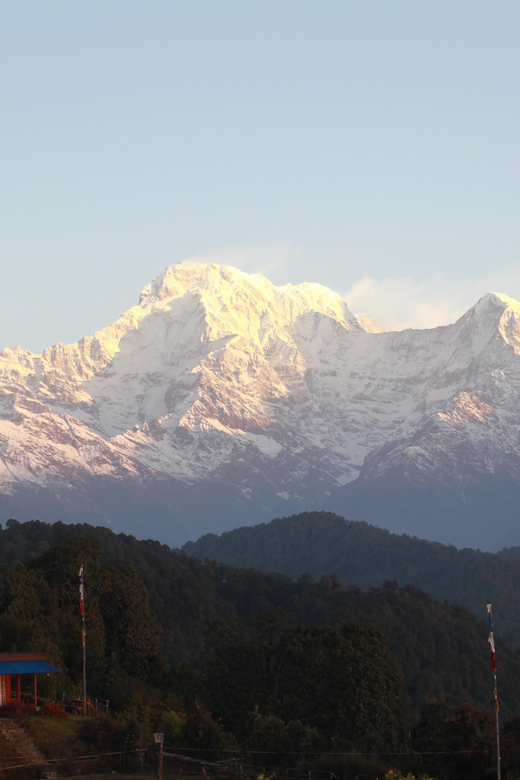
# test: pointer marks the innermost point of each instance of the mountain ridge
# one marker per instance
(220, 383)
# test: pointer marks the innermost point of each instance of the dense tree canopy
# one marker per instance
(344, 682)
(39, 611)
(441, 649)
(320, 543)
(219, 657)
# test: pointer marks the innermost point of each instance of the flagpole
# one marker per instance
(83, 637)
(491, 640)
(497, 728)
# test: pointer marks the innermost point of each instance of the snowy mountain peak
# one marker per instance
(494, 316)
(511, 307)
(494, 302)
(179, 278)
(220, 383)
(226, 291)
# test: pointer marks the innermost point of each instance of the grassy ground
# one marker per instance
(69, 742)
(54, 730)
(59, 737)
(66, 740)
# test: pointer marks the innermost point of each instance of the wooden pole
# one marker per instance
(160, 761)
(491, 640)
(84, 677)
(83, 637)
(497, 730)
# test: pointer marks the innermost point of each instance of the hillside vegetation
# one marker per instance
(440, 648)
(360, 554)
(224, 658)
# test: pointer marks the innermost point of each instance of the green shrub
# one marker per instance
(173, 725)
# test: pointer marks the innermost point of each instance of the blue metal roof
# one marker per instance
(26, 667)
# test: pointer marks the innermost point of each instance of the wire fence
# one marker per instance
(236, 767)
(57, 761)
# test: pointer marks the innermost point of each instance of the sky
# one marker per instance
(370, 146)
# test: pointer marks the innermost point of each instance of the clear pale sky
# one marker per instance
(370, 146)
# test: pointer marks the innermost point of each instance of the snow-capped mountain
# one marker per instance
(221, 399)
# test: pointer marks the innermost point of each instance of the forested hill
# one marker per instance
(441, 649)
(360, 554)
(511, 553)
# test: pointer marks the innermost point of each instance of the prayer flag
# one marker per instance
(491, 640)
(82, 606)
(81, 592)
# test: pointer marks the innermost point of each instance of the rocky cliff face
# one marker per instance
(221, 399)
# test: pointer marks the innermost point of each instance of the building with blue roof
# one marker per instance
(12, 666)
